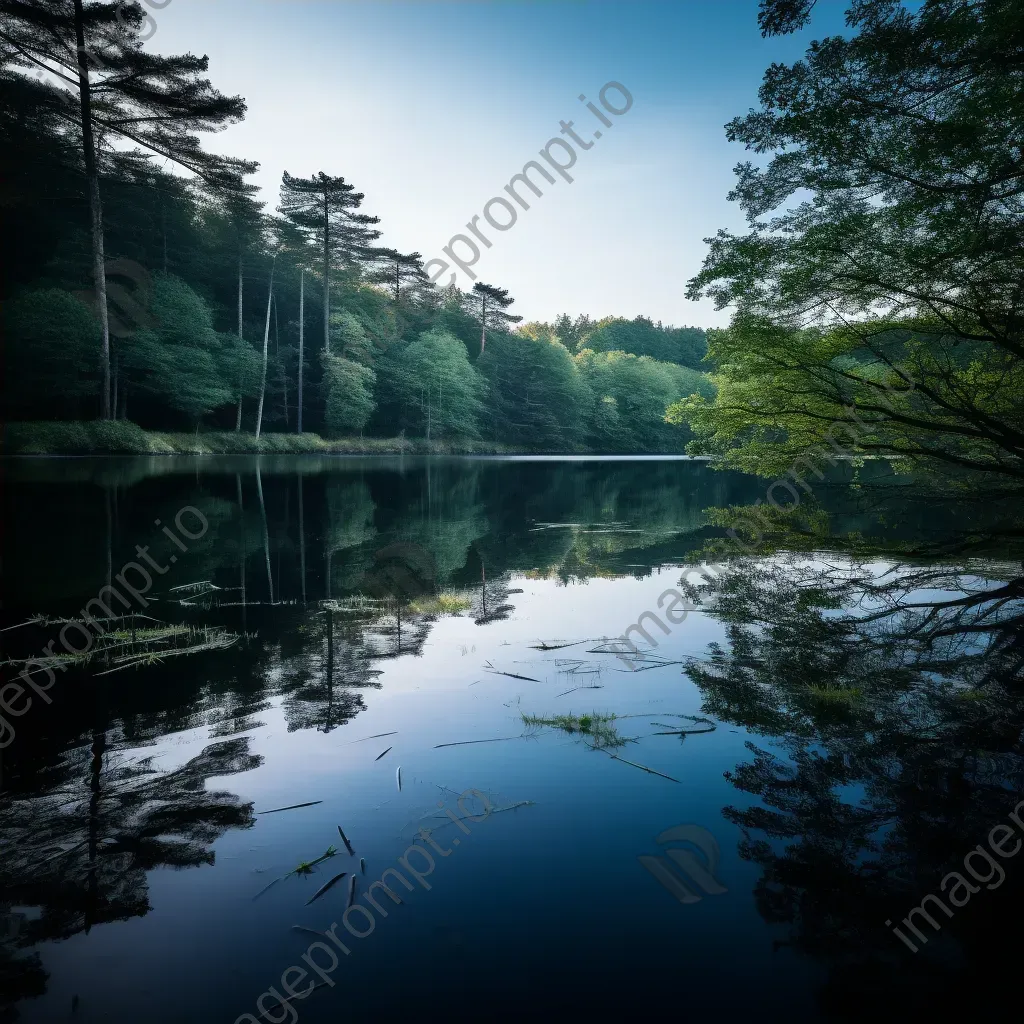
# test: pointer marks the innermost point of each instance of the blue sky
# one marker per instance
(430, 108)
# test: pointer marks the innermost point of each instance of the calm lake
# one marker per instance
(422, 652)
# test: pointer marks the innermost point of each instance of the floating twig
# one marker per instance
(344, 839)
(376, 736)
(362, 865)
(643, 767)
(351, 889)
(303, 928)
(398, 778)
(325, 887)
(290, 807)
(380, 755)
(512, 675)
(266, 887)
(462, 743)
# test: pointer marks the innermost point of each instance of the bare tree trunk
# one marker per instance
(95, 208)
(281, 366)
(241, 547)
(302, 542)
(238, 414)
(327, 277)
(113, 414)
(266, 341)
(266, 532)
(302, 313)
(483, 323)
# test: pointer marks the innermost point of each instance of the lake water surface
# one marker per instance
(787, 769)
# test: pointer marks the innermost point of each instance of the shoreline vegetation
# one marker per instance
(104, 437)
(83, 438)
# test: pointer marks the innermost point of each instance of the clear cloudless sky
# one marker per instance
(429, 108)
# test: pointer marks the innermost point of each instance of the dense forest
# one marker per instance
(220, 314)
(144, 282)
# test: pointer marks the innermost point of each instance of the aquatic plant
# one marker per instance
(596, 727)
(439, 604)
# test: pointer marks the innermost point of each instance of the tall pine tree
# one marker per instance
(325, 208)
(116, 90)
(486, 304)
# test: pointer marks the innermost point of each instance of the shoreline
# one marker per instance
(99, 438)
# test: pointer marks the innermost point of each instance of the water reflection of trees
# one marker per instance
(893, 698)
(78, 842)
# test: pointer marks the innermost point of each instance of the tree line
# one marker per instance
(144, 279)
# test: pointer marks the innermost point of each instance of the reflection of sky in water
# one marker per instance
(555, 882)
(542, 906)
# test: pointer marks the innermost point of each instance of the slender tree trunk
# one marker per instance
(281, 366)
(483, 323)
(266, 532)
(330, 651)
(266, 341)
(302, 356)
(99, 748)
(302, 542)
(92, 176)
(398, 282)
(238, 413)
(241, 546)
(327, 277)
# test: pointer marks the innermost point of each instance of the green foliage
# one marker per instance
(684, 345)
(181, 359)
(537, 395)
(51, 353)
(630, 397)
(77, 438)
(898, 145)
(433, 383)
(349, 386)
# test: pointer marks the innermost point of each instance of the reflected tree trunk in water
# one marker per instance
(241, 550)
(330, 665)
(266, 532)
(99, 744)
(302, 543)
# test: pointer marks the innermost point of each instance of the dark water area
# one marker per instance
(422, 653)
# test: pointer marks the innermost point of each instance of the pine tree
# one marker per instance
(486, 304)
(154, 101)
(294, 245)
(324, 208)
(398, 270)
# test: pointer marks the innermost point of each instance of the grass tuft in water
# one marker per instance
(441, 604)
(596, 727)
